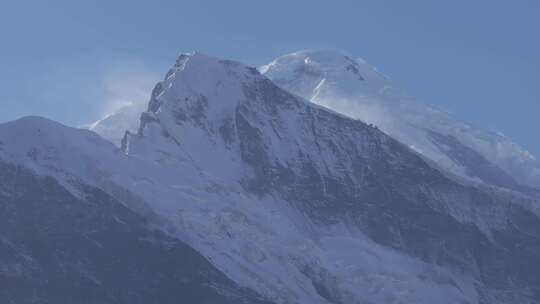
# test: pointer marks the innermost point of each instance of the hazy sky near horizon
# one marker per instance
(74, 61)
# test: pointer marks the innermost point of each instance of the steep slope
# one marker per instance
(308, 206)
(58, 247)
(356, 89)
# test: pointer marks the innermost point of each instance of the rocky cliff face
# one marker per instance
(296, 202)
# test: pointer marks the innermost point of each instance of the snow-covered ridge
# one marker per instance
(35, 140)
(194, 73)
(326, 78)
(320, 67)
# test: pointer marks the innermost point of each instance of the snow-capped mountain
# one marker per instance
(356, 89)
(292, 202)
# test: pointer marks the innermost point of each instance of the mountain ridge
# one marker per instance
(299, 204)
(377, 100)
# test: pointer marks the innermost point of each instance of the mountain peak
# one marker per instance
(323, 60)
(200, 86)
(306, 72)
(200, 97)
(200, 63)
(322, 57)
(198, 72)
(194, 57)
(324, 78)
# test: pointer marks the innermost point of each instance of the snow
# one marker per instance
(113, 126)
(50, 148)
(323, 77)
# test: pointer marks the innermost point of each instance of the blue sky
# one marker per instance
(73, 61)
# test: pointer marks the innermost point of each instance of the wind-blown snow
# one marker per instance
(114, 126)
(354, 88)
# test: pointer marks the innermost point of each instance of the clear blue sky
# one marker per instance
(74, 60)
